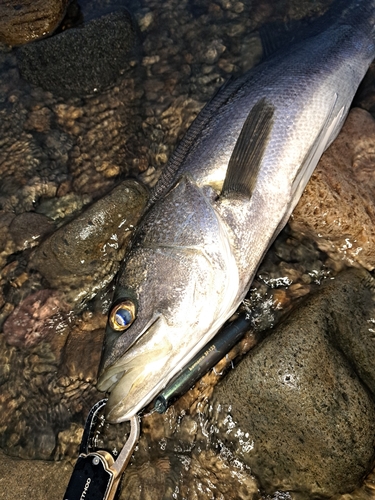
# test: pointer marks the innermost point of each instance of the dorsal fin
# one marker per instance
(244, 164)
(221, 97)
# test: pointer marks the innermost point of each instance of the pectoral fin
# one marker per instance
(244, 164)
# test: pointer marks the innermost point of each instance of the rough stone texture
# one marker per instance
(84, 254)
(172, 460)
(59, 154)
(83, 60)
(37, 316)
(28, 228)
(27, 20)
(28, 172)
(8, 245)
(300, 416)
(47, 386)
(337, 207)
(44, 479)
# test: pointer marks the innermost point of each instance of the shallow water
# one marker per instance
(57, 155)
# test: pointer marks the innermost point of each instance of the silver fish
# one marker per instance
(227, 191)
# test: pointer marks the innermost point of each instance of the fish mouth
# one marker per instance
(111, 373)
(132, 379)
(121, 404)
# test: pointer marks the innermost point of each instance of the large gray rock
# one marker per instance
(301, 414)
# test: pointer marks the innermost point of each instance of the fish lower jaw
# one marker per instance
(119, 407)
(123, 404)
(132, 388)
(117, 414)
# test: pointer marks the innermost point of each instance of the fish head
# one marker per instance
(161, 311)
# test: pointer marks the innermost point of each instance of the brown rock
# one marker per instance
(39, 119)
(19, 477)
(26, 229)
(76, 363)
(337, 207)
(84, 254)
(28, 20)
(300, 404)
(7, 245)
(40, 314)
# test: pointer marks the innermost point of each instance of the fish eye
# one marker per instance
(122, 315)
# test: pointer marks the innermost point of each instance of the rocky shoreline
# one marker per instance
(61, 155)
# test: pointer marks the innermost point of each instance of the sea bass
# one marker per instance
(227, 191)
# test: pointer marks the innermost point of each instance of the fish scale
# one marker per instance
(225, 194)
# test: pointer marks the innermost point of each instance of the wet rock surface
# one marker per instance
(84, 254)
(44, 479)
(34, 319)
(27, 229)
(92, 55)
(300, 412)
(75, 262)
(58, 154)
(28, 20)
(48, 387)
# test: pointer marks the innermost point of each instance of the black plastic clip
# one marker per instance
(96, 475)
